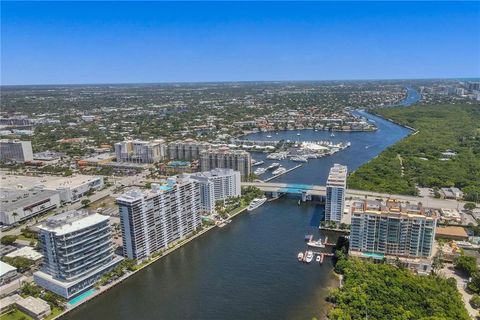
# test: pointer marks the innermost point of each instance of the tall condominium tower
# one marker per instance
(217, 184)
(140, 151)
(153, 219)
(186, 150)
(392, 228)
(238, 160)
(16, 151)
(335, 200)
(77, 250)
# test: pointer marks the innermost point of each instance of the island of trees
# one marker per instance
(387, 292)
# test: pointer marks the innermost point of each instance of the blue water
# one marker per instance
(364, 146)
(248, 269)
(81, 297)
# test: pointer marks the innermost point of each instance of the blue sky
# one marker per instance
(128, 42)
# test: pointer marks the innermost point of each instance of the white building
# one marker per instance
(77, 250)
(70, 188)
(16, 151)
(19, 205)
(218, 184)
(140, 151)
(335, 200)
(7, 272)
(152, 220)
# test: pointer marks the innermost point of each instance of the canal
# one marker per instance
(248, 269)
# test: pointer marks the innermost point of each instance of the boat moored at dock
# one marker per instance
(257, 202)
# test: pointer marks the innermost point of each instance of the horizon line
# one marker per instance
(235, 81)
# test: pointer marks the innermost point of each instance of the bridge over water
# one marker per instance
(307, 191)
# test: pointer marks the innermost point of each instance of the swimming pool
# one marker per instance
(81, 297)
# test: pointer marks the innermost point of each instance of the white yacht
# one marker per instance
(316, 244)
(299, 159)
(280, 170)
(257, 202)
(273, 166)
(258, 163)
(259, 171)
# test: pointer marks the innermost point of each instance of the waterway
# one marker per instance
(248, 269)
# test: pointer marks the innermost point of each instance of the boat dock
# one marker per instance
(278, 175)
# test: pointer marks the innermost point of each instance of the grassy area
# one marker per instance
(386, 292)
(15, 314)
(441, 128)
(108, 202)
(55, 312)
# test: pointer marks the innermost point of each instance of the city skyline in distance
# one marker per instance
(146, 43)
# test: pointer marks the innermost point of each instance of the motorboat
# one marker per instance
(316, 244)
(258, 163)
(300, 256)
(299, 159)
(259, 171)
(280, 170)
(309, 257)
(269, 136)
(273, 166)
(257, 202)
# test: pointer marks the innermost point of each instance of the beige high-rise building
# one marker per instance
(224, 157)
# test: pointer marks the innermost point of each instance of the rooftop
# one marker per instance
(48, 182)
(391, 207)
(71, 221)
(11, 199)
(337, 175)
(5, 268)
(451, 231)
(26, 252)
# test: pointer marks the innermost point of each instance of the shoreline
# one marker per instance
(150, 262)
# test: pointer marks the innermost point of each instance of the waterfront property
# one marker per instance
(186, 150)
(392, 229)
(77, 249)
(217, 184)
(335, 199)
(151, 220)
(224, 157)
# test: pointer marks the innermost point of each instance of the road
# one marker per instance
(426, 200)
(449, 272)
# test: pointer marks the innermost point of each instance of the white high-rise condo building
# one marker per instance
(153, 219)
(224, 157)
(137, 151)
(77, 250)
(217, 184)
(16, 150)
(336, 187)
(392, 228)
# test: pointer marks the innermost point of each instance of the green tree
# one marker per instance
(469, 206)
(475, 301)
(466, 264)
(8, 239)
(85, 202)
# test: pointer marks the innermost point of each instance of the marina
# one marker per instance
(204, 272)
